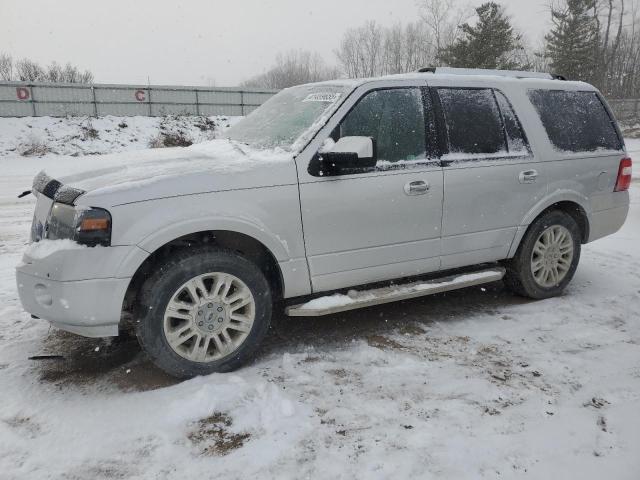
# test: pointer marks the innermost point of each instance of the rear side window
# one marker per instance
(575, 121)
(474, 125)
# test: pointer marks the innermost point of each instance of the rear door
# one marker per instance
(382, 224)
(492, 177)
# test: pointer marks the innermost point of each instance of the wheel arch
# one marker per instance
(246, 245)
(571, 206)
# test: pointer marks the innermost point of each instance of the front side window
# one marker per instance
(394, 118)
(575, 121)
(473, 122)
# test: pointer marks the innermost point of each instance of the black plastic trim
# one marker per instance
(55, 190)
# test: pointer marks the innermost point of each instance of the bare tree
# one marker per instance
(6, 67)
(29, 71)
(443, 18)
(611, 28)
(361, 51)
(406, 48)
(372, 50)
(293, 68)
(620, 54)
(72, 74)
(26, 70)
(419, 50)
(54, 73)
(538, 57)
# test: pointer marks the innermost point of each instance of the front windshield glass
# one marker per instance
(283, 120)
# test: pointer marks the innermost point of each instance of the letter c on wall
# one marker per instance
(22, 93)
(140, 95)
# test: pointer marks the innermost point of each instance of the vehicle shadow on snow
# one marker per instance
(119, 362)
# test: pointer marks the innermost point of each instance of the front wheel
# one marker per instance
(203, 312)
(547, 257)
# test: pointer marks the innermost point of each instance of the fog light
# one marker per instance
(43, 297)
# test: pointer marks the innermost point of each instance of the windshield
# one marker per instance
(284, 119)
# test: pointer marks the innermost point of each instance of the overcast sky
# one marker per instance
(200, 42)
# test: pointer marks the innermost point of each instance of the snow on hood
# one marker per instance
(177, 171)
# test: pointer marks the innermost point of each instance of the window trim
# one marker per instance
(444, 135)
(430, 123)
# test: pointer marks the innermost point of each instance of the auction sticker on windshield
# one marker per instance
(329, 97)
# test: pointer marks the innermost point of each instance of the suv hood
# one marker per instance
(216, 165)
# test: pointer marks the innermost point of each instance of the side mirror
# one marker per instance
(348, 155)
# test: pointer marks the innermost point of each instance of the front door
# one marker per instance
(382, 224)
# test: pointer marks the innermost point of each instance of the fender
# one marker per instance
(157, 239)
(256, 230)
(560, 195)
(294, 270)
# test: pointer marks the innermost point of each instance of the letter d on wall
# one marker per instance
(23, 93)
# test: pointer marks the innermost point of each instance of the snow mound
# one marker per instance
(78, 136)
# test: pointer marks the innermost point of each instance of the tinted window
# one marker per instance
(394, 119)
(575, 121)
(473, 121)
(516, 139)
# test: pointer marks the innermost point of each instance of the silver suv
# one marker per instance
(465, 176)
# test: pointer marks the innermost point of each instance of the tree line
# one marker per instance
(597, 41)
(26, 70)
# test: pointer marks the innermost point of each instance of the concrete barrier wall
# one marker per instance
(18, 99)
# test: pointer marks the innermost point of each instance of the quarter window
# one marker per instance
(516, 139)
(473, 121)
(394, 118)
(575, 121)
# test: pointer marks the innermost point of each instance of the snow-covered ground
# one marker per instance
(78, 136)
(471, 384)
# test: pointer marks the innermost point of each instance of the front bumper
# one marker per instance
(79, 290)
(91, 308)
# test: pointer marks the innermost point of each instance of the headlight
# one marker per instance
(91, 226)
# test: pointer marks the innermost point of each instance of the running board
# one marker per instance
(378, 296)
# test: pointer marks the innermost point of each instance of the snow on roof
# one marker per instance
(530, 79)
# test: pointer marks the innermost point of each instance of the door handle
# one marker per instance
(528, 176)
(419, 187)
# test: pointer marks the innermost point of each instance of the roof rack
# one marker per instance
(481, 71)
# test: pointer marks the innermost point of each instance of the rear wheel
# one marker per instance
(204, 312)
(547, 257)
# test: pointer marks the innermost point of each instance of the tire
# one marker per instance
(179, 325)
(527, 272)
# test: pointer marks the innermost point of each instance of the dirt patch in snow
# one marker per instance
(71, 360)
(384, 343)
(23, 425)
(105, 470)
(213, 436)
(412, 329)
